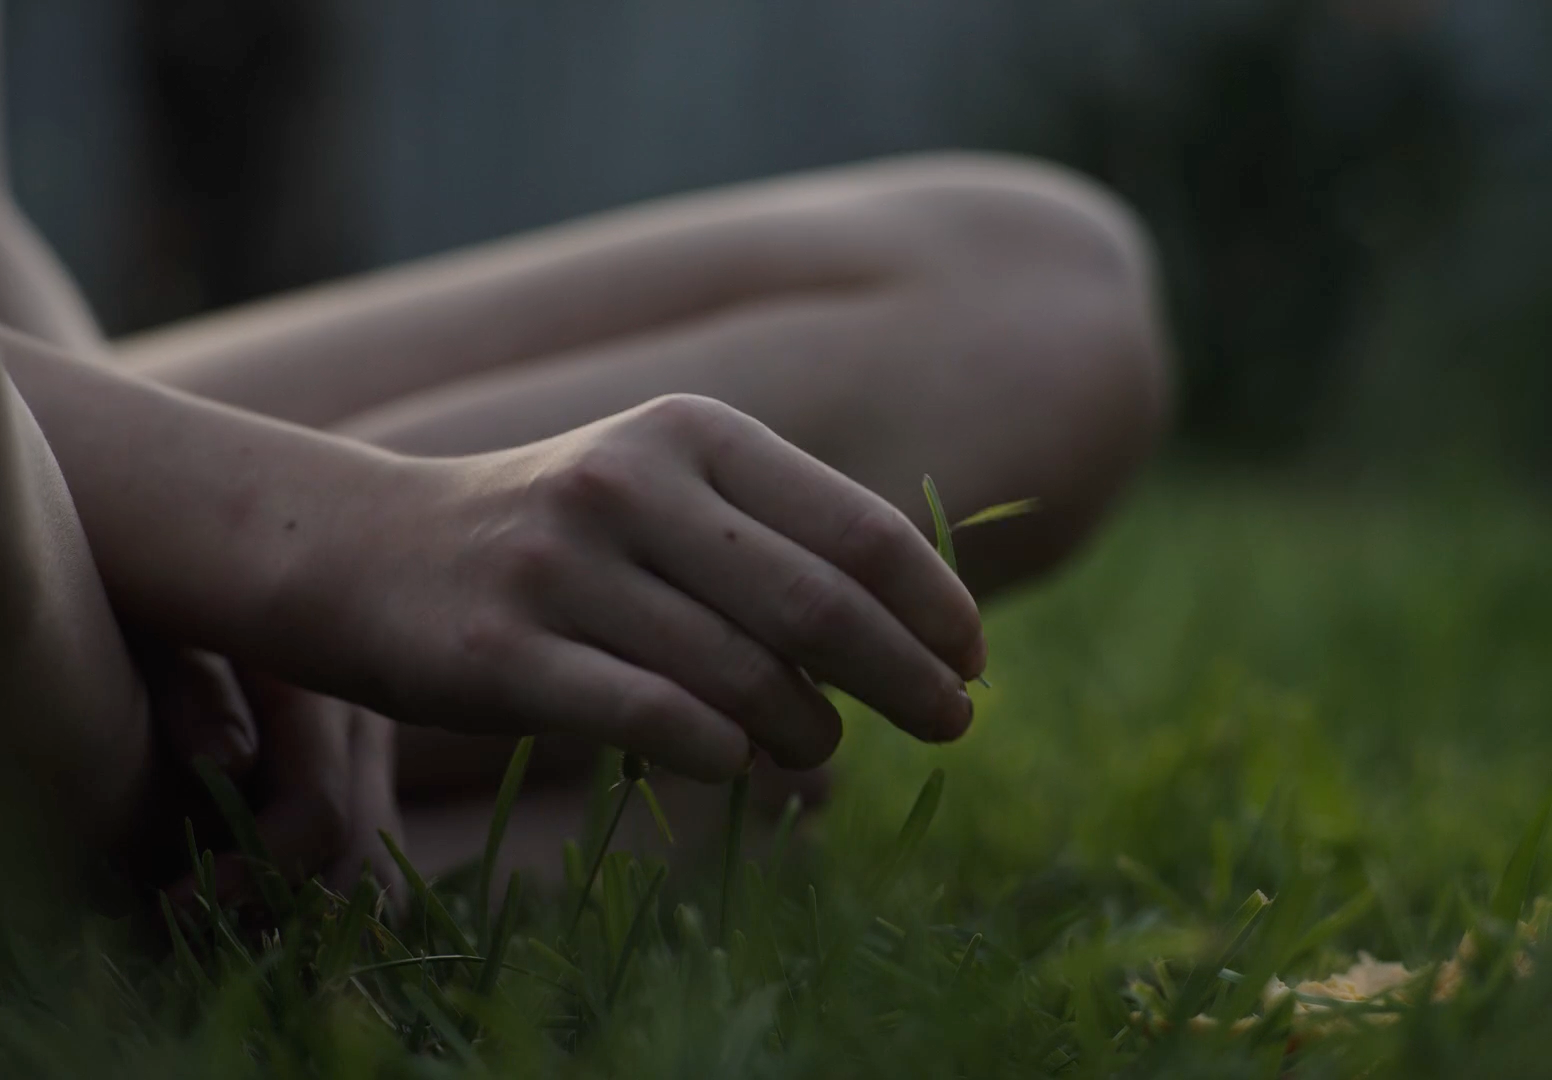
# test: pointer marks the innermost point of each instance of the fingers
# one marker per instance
(373, 806)
(588, 692)
(306, 773)
(800, 606)
(327, 788)
(201, 710)
(854, 530)
(637, 617)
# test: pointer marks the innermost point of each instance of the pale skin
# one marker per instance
(666, 470)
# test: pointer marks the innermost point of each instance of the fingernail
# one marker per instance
(978, 659)
(959, 722)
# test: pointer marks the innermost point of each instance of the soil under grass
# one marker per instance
(1341, 701)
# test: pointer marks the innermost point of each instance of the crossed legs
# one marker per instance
(987, 320)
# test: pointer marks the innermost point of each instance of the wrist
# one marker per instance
(334, 591)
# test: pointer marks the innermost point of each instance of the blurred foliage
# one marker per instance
(1378, 660)
(1247, 693)
(1353, 198)
(1353, 201)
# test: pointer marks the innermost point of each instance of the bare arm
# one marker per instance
(196, 512)
(660, 580)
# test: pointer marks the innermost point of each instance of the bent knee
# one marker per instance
(1027, 258)
(975, 213)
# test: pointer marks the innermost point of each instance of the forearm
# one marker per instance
(205, 522)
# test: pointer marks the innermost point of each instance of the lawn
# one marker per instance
(1339, 699)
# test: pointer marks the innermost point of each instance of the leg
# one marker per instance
(988, 321)
(76, 724)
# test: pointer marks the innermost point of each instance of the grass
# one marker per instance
(1255, 731)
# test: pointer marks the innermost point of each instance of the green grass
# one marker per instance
(1338, 700)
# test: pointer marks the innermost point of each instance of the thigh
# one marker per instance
(987, 320)
(75, 725)
(323, 355)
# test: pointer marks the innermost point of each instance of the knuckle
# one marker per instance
(599, 479)
(536, 555)
(870, 539)
(752, 676)
(687, 415)
(646, 712)
(483, 640)
(814, 608)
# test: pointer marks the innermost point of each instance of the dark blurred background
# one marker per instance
(1353, 198)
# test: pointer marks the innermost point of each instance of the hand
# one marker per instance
(321, 772)
(673, 581)
(324, 787)
(196, 710)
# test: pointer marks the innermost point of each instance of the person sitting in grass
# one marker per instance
(642, 481)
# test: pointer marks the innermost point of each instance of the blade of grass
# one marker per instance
(1242, 922)
(566, 966)
(431, 904)
(1202, 982)
(198, 863)
(945, 539)
(732, 855)
(445, 1026)
(1000, 512)
(409, 961)
(790, 812)
(813, 924)
(692, 936)
(659, 818)
(347, 935)
(245, 831)
(614, 907)
(581, 989)
(501, 813)
(571, 864)
(598, 860)
(633, 935)
(385, 938)
(421, 961)
(944, 533)
(180, 947)
(1332, 924)
(205, 878)
(912, 832)
(966, 960)
(218, 920)
(496, 949)
(1270, 951)
(1514, 886)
